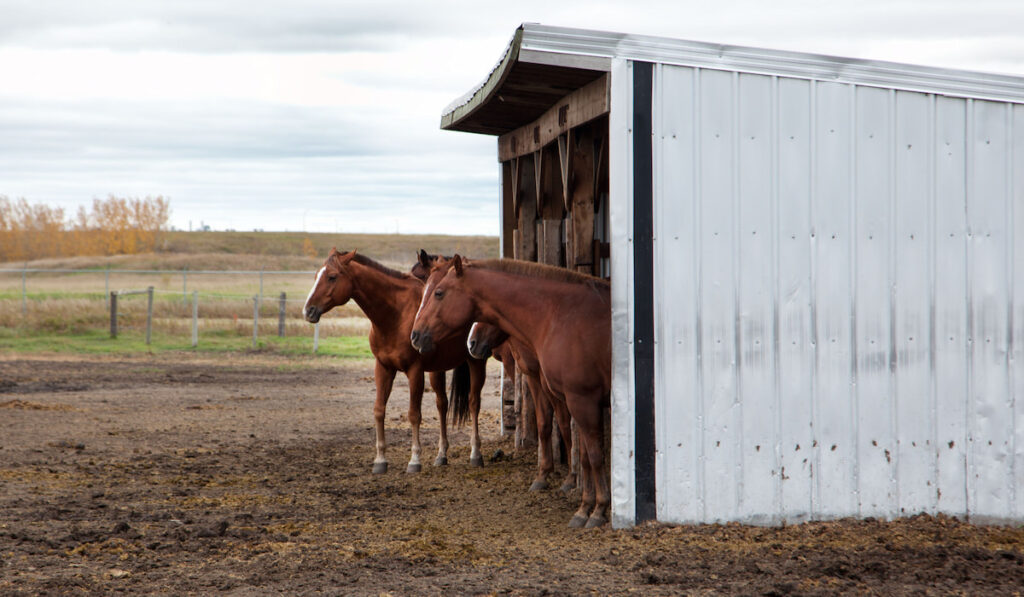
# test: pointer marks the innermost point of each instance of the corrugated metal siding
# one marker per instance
(838, 288)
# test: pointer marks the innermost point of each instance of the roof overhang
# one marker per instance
(543, 64)
(523, 85)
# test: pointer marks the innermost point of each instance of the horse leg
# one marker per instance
(565, 427)
(542, 410)
(591, 425)
(441, 398)
(415, 376)
(477, 376)
(383, 378)
(582, 515)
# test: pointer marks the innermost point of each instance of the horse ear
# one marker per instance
(457, 264)
(424, 259)
(344, 258)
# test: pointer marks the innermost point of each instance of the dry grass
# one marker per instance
(76, 303)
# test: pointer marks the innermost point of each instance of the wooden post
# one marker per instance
(280, 315)
(507, 211)
(550, 249)
(195, 318)
(255, 319)
(581, 188)
(316, 337)
(149, 315)
(551, 207)
(525, 194)
(113, 314)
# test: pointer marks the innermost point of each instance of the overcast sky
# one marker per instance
(323, 115)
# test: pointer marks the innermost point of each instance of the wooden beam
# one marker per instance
(581, 106)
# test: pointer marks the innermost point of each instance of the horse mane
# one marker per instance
(370, 263)
(537, 270)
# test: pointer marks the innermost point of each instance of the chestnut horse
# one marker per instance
(562, 316)
(485, 341)
(390, 299)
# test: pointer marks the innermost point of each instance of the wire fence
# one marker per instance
(179, 302)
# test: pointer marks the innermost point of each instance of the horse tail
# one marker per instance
(458, 393)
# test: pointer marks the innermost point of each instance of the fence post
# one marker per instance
(280, 315)
(255, 318)
(149, 315)
(195, 318)
(316, 337)
(24, 299)
(113, 314)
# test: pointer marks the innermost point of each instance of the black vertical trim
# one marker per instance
(643, 289)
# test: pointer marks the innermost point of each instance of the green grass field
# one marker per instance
(69, 312)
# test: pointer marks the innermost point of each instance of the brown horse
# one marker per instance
(562, 316)
(487, 340)
(390, 299)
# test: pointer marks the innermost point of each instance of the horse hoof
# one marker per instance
(595, 521)
(441, 461)
(539, 485)
(413, 468)
(379, 468)
(577, 522)
(476, 462)
(567, 487)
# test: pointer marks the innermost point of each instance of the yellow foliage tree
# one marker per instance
(113, 226)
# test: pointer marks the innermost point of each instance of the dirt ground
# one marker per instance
(250, 474)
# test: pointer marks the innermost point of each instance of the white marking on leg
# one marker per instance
(475, 441)
(313, 289)
(469, 338)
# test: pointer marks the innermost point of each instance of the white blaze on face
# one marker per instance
(422, 300)
(469, 339)
(316, 283)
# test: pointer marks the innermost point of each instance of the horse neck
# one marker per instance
(381, 297)
(508, 302)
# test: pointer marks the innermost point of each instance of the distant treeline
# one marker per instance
(113, 226)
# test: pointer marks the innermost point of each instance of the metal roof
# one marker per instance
(543, 64)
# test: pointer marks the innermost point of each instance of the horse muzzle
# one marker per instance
(312, 313)
(478, 350)
(423, 342)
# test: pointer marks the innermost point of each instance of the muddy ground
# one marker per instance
(250, 474)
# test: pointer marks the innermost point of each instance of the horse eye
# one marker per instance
(439, 293)
(332, 278)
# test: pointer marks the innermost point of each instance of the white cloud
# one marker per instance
(325, 114)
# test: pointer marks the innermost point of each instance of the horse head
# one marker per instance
(446, 308)
(483, 338)
(425, 263)
(331, 288)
